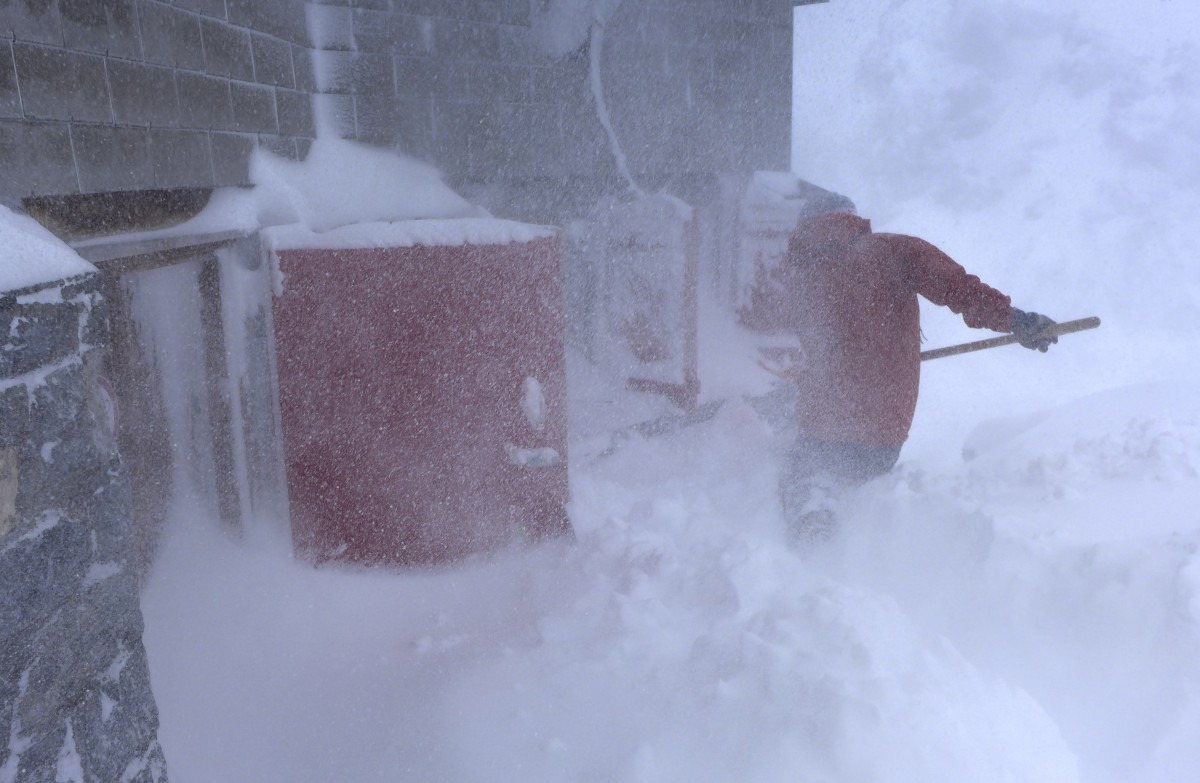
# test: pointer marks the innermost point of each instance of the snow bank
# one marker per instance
(1063, 558)
(32, 255)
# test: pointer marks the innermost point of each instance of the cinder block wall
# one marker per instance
(694, 88)
(118, 95)
(115, 95)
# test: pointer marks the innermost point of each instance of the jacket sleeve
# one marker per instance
(935, 276)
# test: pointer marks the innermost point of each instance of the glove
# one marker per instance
(1029, 328)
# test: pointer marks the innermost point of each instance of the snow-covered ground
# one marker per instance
(1028, 614)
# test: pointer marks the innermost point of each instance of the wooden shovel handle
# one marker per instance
(1066, 327)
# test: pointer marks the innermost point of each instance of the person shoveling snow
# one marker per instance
(850, 296)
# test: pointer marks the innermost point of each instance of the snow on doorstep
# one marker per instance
(31, 255)
(342, 182)
(407, 233)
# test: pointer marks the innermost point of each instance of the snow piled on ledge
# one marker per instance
(406, 233)
(32, 256)
(343, 182)
(341, 186)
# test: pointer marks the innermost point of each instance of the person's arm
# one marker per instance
(937, 277)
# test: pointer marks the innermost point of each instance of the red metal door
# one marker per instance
(423, 397)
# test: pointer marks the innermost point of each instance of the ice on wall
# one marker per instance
(563, 26)
(32, 256)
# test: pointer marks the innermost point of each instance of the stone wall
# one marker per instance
(74, 684)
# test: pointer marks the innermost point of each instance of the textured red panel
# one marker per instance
(402, 373)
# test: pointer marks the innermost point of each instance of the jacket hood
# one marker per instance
(825, 236)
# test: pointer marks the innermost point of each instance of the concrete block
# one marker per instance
(181, 158)
(559, 85)
(231, 158)
(210, 8)
(517, 44)
(281, 18)
(510, 12)
(388, 33)
(330, 27)
(497, 83)
(170, 36)
(511, 141)
(452, 9)
(283, 146)
(10, 98)
(112, 158)
(295, 113)
(354, 72)
(474, 41)
(108, 28)
(302, 66)
(414, 128)
(440, 78)
(253, 108)
(143, 94)
(272, 61)
(61, 85)
(39, 160)
(204, 102)
(454, 125)
(226, 50)
(38, 22)
(376, 119)
(337, 111)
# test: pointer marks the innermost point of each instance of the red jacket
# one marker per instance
(856, 313)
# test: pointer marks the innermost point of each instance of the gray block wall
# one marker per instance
(115, 95)
(694, 88)
(74, 683)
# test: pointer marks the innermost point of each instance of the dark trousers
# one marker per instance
(816, 473)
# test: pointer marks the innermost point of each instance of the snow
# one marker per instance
(32, 255)
(1031, 613)
(407, 233)
(562, 27)
(342, 182)
(68, 768)
(338, 187)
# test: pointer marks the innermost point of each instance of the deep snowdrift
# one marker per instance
(1030, 614)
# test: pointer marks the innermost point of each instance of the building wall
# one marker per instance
(74, 680)
(124, 95)
(694, 88)
(119, 95)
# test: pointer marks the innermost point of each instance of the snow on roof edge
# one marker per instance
(32, 256)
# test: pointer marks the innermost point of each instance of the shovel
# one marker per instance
(1066, 327)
